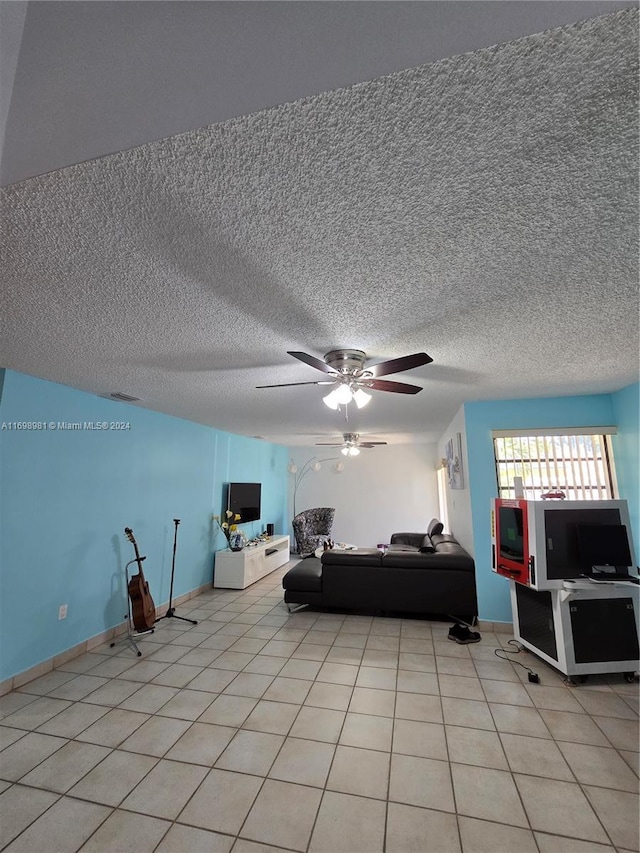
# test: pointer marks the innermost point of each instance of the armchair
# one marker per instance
(312, 527)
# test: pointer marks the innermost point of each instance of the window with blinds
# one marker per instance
(578, 465)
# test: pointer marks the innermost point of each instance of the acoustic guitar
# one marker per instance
(142, 607)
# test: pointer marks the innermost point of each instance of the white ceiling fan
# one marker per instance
(350, 444)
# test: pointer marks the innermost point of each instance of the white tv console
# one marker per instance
(239, 569)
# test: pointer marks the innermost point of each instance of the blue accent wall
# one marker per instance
(67, 495)
(626, 450)
(483, 417)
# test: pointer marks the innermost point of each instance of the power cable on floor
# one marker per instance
(534, 678)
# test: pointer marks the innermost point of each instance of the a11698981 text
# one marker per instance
(64, 426)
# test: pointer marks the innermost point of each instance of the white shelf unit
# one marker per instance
(239, 569)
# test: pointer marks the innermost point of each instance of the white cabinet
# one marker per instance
(239, 569)
(586, 628)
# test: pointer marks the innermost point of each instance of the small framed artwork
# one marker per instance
(453, 455)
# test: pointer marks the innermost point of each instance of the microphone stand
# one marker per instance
(171, 612)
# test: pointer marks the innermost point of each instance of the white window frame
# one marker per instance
(576, 461)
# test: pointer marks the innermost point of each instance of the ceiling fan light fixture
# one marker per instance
(348, 375)
(361, 398)
(343, 394)
(330, 400)
(350, 450)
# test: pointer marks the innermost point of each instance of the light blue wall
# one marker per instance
(483, 417)
(66, 497)
(626, 450)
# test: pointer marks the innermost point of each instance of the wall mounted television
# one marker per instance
(244, 499)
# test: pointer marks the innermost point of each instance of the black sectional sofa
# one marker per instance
(419, 573)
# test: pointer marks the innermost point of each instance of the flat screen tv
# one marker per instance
(244, 499)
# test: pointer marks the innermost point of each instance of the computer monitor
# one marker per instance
(603, 547)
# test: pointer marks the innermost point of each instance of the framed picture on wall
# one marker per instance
(453, 455)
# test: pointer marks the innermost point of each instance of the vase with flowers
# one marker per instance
(228, 524)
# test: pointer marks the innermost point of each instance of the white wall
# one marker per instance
(459, 500)
(382, 491)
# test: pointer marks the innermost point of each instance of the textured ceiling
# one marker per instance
(482, 208)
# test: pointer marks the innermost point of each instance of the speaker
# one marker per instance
(269, 529)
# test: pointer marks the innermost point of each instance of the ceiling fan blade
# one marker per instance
(397, 365)
(286, 384)
(312, 361)
(326, 444)
(396, 387)
(372, 443)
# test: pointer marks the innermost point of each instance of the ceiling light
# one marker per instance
(330, 400)
(343, 394)
(361, 398)
(350, 450)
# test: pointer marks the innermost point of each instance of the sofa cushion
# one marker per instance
(414, 539)
(435, 527)
(427, 545)
(406, 560)
(455, 561)
(439, 539)
(395, 547)
(304, 576)
(359, 557)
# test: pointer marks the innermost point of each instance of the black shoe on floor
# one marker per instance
(461, 634)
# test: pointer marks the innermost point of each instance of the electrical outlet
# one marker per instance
(62, 611)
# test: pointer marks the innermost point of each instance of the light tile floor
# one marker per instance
(257, 730)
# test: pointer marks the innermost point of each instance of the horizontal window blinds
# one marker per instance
(578, 465)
